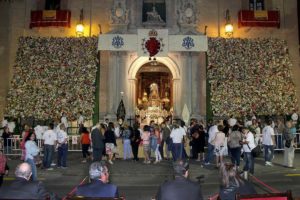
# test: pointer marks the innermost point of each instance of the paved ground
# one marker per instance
(138, 181)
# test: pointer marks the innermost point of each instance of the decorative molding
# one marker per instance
(187, 16)
(119, 16)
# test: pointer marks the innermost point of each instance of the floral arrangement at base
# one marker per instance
(250, 76)
(53, 75)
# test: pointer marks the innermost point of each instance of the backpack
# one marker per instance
(2, 163)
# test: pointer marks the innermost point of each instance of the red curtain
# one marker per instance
(62, 18)
(246, 18)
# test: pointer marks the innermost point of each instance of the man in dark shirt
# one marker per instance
(97, 141)
(23, 188)
(181, 187)
(99, 186)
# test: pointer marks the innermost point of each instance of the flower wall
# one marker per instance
(250, 75)
(53, 75)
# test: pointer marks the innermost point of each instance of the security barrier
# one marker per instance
(15, 145)
(75, 145)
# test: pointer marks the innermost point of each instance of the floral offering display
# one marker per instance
(250, 76)
(53, 75)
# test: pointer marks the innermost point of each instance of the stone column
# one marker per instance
(138, 13)
(113, 73)
(117, 82)
(133, 14)
(186, 75)
(131, 98)
(195, 86)
(202, 82)
(176, 97)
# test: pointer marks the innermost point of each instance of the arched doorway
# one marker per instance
(170, 73)
(154, 94)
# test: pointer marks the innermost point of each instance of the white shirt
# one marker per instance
(251, 144)
(61, 136)
(49, 137)
(177, 135)
(31, 149)
(212, 133)
(268, 132)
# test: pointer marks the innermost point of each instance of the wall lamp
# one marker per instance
(228, 25)
(80, 26)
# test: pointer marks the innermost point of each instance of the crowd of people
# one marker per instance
(52, 75)
(250, 75)
(166, 141)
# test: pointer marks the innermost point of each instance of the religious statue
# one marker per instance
(154, 99)
(154, 91)
(153, 16)
(150, 106)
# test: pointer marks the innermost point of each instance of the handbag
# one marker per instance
(255, 151)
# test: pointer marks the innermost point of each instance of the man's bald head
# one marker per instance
(23, 170)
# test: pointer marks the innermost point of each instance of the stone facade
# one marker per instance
(15, 18)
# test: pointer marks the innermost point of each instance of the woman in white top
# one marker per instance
(219, 143)
(32, 150)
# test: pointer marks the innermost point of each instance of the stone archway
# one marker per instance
(138, 63)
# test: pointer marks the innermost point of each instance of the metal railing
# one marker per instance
(280, 141)
(75, 145)
(14, 144)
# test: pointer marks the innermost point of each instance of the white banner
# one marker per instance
(152, 41)
(188, 43)
(117, 42)
(160, 36)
